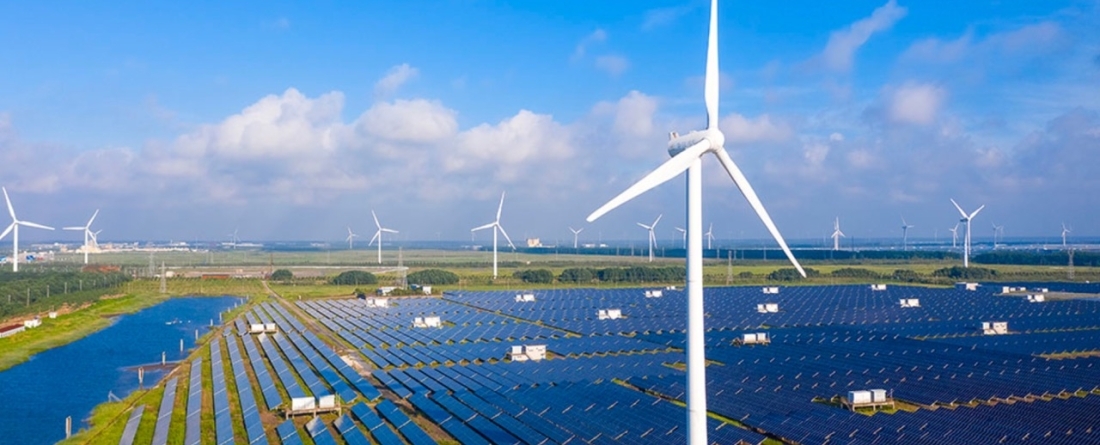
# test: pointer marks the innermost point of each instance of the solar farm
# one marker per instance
(785, 365)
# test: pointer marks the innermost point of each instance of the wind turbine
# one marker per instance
(686, 152)
(575, 233)
(905, 234)
(709, 235)
(378, 235)
(837, 234)
(495, 225)
(351, 239)
(997, 230)
(14, 229)
(652, 237)
(1064, 232)
(954, 235)
(966, 240)
(233, 240)
(87, 234)
(684, 235)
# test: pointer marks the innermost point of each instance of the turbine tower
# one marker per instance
(88, 235)
(954, 235)
(575, 233)
(378, 235)
(351, 238)
(14, 229)
(1064, 232)
(837, 234)
(966, 218)
(687, 151)
(905, 234)
(652, 237)
(495, 225)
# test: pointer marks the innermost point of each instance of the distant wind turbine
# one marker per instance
(88, 235)
(954, 235)
(709, 235)
(966, 218)
(14, 229)
(495, 225)
(1064, 232)
(351, 239)
(837, 234)
(652, 237)
(575, 233)
(905, 234)
(684, 236)
(997, 230)
(378, 235)
(687, 152)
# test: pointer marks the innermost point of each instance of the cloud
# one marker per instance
(417, 120)
(613, 65)
(741, 130)
(1029, 41)
(843, 44)
(914, 103)
(658, 17)
(393, 79)
(597, 36)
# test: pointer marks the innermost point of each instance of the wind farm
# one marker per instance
(207, 284)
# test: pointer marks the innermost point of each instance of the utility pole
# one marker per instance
(729, 267)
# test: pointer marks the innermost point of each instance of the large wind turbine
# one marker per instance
(905, 234)
(966, 218)
(495, 225)
(687, 152)
(378, 235)
(575, 233)
(837, 234)
(1064, 232)
(87, 229)
(954, 235)
(652, 237)
(351, 239)
(14, 229)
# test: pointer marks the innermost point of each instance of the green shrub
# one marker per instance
(577, 275)
(432, 277)
(282, 275)
(534, 276)
(354, 278)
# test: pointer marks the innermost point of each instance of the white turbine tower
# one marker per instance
(652, 237)
(687, 151)
(837, 234)
(575, 233)
(87, 229)
(997, 230)
(14, 229)
(905, 234)
(1064, 232)
(966, 218)
(495, 225)
(351, 239)
(378, 235)
(709, 235)
(954, 235)
(684, 236)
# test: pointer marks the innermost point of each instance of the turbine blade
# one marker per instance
(390, 231)
(961, 212)
(670, 169)
(501, 206)
(35, 225)
(642, 226)
(475, 229)
(657, 220)
(710, 93)
(376, 223)
(376, 237)
(502, 232)
(72, 228)
(7, 231)
(750, 195)
(11, 210)
(972, 215)
(93, 217)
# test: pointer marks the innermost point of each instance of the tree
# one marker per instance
(282, 275)
(577, 275)
(354, 278)
(534, 276)
(791, 274)
(432, 277)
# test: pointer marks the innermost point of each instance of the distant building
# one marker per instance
(534, 242)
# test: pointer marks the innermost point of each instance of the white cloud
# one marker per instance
(613, 65)
(510, 147)
(915, 103)
(842, 45)
(597, 36)
(417, 120)
(742, 130)
(1028, 41)
(394, 78)
(658, 17)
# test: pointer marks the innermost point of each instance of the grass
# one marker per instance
(108, 420)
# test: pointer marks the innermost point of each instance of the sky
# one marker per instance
(289, 121)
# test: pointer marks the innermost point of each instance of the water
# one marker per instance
(73, 379)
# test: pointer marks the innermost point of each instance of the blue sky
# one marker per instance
(292, 121)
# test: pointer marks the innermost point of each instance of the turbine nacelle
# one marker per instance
(678, 144)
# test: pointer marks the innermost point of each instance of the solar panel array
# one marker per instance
(164, 415)
(192, 433)
(223, 422)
